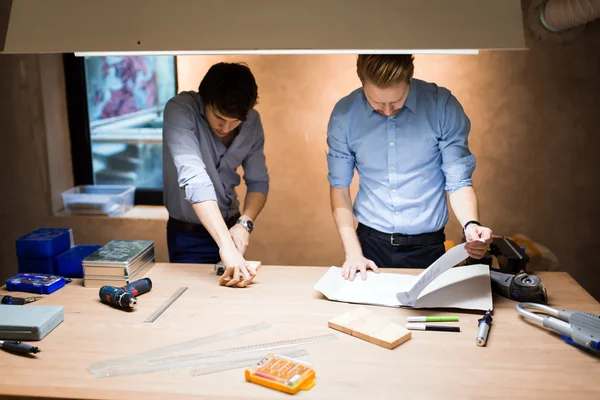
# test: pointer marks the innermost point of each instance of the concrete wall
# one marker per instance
(534, 131)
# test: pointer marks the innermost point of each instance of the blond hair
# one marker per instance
(385, 71)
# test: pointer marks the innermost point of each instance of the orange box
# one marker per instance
(281, 373)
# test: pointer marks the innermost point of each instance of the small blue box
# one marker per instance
(44, 243)
(36, 265)
(69, 263)
(35, 283)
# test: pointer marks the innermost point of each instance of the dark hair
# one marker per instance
(230, 88)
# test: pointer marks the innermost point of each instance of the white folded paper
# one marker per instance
(438, 286)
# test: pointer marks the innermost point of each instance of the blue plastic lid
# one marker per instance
(79, 252)
(44, 234)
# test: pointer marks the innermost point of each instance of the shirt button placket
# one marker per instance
(391, 131)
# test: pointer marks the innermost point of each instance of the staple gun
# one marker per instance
(578, 328)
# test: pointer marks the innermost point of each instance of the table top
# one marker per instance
(521, 360)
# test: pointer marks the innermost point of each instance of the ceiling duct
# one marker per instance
(561, 20)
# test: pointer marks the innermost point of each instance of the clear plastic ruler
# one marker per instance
(94, 368)
(235, 364)
(244, 349)
(229, 362)
(166, 305)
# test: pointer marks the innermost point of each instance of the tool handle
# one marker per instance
(19, 347)
(139, 287)
(12, 300)
(558, 325)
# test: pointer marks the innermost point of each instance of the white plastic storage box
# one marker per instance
(111, 200)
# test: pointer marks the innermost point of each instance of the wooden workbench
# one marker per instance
(521, 360)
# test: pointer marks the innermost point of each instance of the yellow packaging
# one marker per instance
(281, 373)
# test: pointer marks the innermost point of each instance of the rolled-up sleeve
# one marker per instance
(256, 175)
(458, 163)
(179, 137)
(340, 160)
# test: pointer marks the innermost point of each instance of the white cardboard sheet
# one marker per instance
(439, 286)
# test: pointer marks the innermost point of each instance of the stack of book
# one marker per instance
(118, 263)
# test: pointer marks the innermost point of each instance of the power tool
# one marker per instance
(578, 328)
(219, 268)
(519, 287)
(508, 263)
(125, 296)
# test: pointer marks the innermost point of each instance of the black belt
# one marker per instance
(399, 239)
(190, 227)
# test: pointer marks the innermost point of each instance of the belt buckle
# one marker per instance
(392, 241)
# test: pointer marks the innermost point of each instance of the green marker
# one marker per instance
(432, 319)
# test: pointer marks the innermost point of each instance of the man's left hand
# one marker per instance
(478, 240)
(241, 237)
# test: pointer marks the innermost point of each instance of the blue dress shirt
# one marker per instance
(405, 162)
(198, 167)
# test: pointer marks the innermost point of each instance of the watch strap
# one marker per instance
(246, 224)
(471, 222)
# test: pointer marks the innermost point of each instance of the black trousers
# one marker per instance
(191, 243)
(401, 251)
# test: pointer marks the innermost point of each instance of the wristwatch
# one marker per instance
(246, 223)
(469, 223)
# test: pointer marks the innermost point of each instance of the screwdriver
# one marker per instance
(125, 296)
(19, 347)
(19, 301)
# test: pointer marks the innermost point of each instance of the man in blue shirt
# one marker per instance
(408, 140)
(207, 135)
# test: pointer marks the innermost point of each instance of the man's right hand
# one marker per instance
(237, 272)
(357, 263)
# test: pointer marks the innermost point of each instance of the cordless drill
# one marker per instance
(125, 297)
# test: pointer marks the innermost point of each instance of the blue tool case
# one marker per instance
(35, 283)
(44, 243)
(70, 263)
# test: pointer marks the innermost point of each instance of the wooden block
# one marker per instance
(255, 265)
(365, 325)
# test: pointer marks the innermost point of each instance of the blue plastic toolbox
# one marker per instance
(36, 265)
(44, 243)
(35, 283)
(69, 263)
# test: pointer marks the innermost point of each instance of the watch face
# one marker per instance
(246, 224)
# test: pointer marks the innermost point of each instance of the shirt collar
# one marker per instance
(201, 107)
(411, 99)
(410, 103)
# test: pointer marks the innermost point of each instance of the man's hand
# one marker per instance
(357, 263)
(478, 240)
(237, 272)
(241, 238)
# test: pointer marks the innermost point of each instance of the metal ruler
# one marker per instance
(109, 364)
(244, 349)
(166, 305)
